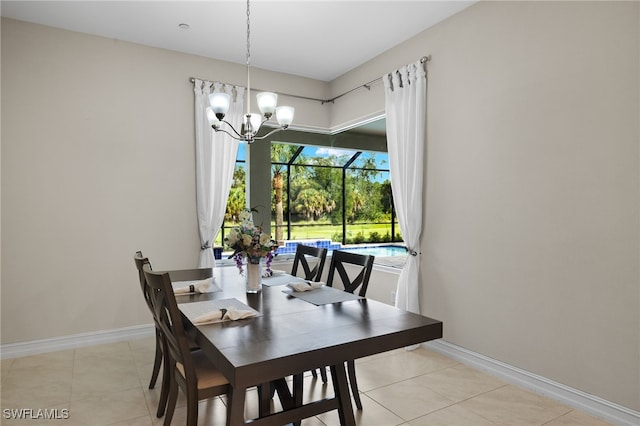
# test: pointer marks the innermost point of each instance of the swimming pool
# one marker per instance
(378, 251)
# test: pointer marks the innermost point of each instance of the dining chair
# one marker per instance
(301, 260)
(359, 267)
(140, 261)
(189, 370)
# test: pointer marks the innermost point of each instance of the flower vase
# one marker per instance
(253, 275)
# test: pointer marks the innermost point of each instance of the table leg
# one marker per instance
(235, 407)
(341, 389)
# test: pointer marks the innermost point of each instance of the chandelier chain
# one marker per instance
(248, 35)
(248, 59)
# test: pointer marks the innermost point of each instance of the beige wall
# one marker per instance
(530, 243)
(531, 232)
(98, 162)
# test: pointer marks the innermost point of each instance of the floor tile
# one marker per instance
(409, 399)
(104, 349)
(510, 405)
(211, 412)
(454, 415)
(140, 421)
(400, 366)
(40, 386)
(103, 374)
(107, 409)
(576, 418)
(459, 383)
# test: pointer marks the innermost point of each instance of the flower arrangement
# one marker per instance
(248, 240)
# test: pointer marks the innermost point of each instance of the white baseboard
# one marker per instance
(35, 347)
(598, 407)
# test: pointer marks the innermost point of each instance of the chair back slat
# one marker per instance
(140, 261)
(300, 259)
(169, 319)
(341, 258)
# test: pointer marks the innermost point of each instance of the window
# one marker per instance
(343, 195)
(326, 193)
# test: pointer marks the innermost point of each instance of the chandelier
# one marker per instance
(267, 103)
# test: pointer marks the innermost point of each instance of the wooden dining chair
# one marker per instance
(359, 267)
(140, 261)
(302, 257)
(189, 370)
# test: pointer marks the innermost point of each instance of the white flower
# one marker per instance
(264, 239)
(245, 218)
(233, 237)
(246, 240)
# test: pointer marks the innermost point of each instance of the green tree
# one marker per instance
(312, 203)
(280, 153)
(237, 195)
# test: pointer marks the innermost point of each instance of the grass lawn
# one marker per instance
(319, 231)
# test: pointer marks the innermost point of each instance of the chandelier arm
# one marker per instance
(279, 129)
(238, 137)
(232, 128)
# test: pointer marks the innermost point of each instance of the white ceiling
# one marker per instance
(316, 39)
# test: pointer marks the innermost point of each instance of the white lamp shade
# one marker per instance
(219, 102)
(284, 115)
(211, 116)
(267, 102)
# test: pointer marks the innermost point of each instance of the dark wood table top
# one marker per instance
(292, 336)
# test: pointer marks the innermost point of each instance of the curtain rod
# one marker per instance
(367, 86)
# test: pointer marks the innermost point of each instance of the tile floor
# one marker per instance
(108, 385)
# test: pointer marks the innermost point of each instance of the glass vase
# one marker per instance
(253, 274)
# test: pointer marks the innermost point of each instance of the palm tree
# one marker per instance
(280, 156)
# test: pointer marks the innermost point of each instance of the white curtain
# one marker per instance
(405, 105)
(215, 161)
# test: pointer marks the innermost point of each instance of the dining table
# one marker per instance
(291, 333)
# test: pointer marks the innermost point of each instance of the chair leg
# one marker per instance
(192, 410)
(156, 362)
(171, 403)
(298, 390)
(351, 371)
(323, 374)
(164, 391)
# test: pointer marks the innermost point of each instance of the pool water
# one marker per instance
(378, 251)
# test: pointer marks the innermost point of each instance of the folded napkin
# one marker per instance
(202, 286)
(223, 315)
(305, 285)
